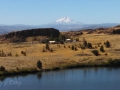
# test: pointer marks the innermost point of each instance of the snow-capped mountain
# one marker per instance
(62, 24)
(66, 20)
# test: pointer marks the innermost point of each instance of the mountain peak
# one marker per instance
(65, 19)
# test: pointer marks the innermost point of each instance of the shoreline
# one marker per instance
(114, 63)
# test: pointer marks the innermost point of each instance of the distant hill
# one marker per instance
(23, 34)
(62, 24)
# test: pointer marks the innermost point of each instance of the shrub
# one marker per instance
(85, 43)
(47, 46)
(9, 54)
(2, 54)
(43, 50)
(69, 46)
(2, 68)
(16, 55)
(64, 46)
(115, 62)
(72, 47)
(39, 64)
(23, 53)
(102, 49)
(107, 44)
(89, 45)
(95, 52)
(82, 47)
(77, 39)
(51, 50)
(75, 48)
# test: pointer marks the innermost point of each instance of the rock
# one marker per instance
(21, 35)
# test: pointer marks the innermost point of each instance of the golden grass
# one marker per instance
(60, 57)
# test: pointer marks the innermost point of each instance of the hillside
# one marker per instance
(23, 34)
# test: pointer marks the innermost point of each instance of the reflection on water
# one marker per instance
(73, 79)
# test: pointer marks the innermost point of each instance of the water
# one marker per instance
(74, 79)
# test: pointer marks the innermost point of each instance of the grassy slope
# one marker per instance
(61, 56)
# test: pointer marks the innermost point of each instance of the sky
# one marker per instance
(37, 12)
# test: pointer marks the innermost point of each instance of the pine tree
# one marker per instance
(85, 43)
(89, 45)
(95, 52)
(72, 47)
(39, 64)
(47, 47)
(102, 49)
(107, 44)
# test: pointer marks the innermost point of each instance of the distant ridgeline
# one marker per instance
(21, 35)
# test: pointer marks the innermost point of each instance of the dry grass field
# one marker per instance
(61, 56)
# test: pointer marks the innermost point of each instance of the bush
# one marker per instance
(2, 54)
(43, 50)
(39, 64)
(107, 44)
(47, 46)
(2, 68)
(69, 46)
(89, 45)
(75, 48)
(115, 62)
(23, 53)
(82, 47)
(102, 49)
(85, 43)
(51, 50)
(95, 52)
(64, 46)
(16, 55)
(9, 54)
(72, 47)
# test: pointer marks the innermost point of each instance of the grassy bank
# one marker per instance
(20, 71)
(108, 63)
(22, 57)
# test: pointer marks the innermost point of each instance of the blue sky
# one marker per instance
(37, 12)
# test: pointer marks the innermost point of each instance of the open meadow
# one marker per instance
(62, 55)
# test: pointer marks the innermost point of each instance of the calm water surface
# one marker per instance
(74, 79)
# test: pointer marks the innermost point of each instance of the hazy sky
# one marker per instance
(37, 12)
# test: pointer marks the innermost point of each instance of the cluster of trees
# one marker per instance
(3, 54)
(74, 48)
(47, 48)
(86, 45)
(96, 52)
(116, 31)
(2, 68)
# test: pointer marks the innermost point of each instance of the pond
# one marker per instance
(72, 79)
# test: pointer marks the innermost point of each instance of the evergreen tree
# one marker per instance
(89, 45)
(75, 48)
(47, 47)
(102, 49)
(84, 43)
(107, 44)
(72, 47)
(39, 64)
(95, 52)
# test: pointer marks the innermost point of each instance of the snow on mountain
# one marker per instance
(62, 24)
(66, 20)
